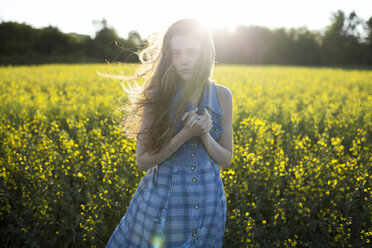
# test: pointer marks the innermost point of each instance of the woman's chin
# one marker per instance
(186, 78)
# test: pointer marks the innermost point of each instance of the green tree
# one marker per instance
(341, 40)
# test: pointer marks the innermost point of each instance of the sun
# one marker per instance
(215, 15)
(213, 24)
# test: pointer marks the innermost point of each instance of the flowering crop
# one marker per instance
(300, 176)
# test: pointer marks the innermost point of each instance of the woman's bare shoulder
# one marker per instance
(224, 93)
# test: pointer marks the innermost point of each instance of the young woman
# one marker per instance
(185, 134)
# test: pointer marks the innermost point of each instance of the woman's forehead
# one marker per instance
(184, 41)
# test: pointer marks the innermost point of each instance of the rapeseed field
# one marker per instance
(300, 176)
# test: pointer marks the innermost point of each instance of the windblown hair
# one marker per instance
(156, 94)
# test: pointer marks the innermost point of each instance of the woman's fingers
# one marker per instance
(198, 118)
(191, 115)
(193, 118)
(187, 114)
(206, 112)
(204, 120)
(208, 120)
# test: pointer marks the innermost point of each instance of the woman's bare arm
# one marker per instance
(222, 151)
(145, 159)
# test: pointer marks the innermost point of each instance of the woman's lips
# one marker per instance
(186, 71)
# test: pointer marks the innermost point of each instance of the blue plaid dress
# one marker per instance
(181, 201)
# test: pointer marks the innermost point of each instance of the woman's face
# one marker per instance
(185, 53)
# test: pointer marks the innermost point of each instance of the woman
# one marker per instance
(185, 133)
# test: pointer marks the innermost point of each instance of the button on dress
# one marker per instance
(181, 201)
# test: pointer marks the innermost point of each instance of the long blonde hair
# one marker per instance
(157, 93)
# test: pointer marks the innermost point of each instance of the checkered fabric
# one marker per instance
(180, 202)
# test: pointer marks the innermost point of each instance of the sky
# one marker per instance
(148, 16)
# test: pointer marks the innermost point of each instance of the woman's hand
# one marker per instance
(197, 125)
(206, 122)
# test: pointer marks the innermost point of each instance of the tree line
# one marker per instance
(23, 44)
(342, 43)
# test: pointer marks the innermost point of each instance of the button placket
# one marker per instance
(193, 161)
(193, 149)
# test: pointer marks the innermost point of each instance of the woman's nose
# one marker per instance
(185, 59)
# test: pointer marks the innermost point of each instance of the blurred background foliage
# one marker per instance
(347, 41)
